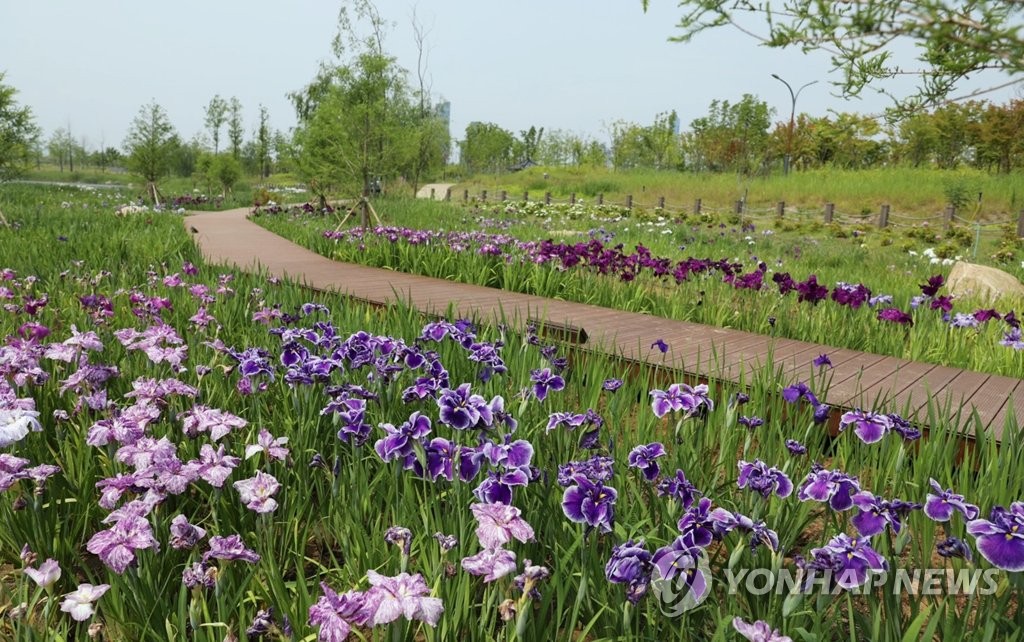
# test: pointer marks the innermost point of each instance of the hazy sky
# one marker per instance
(575, 65)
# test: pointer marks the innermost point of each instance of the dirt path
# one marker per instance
(437, 189)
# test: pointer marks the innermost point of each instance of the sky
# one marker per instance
(573, 65)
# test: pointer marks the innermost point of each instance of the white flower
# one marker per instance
(79, 602)
(15, 424)
(912, 253)
(935, 260)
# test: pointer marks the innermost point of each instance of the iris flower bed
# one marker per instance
(194, 454)
(899, 313)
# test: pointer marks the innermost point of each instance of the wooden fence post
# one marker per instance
(696, 206)
(448, 194)
(780, 209)
(661, 202)
(738, 207)
(431, 193)
(600, 199)
(526, 196)
(947, 217)
(504, 196)
(1020, 224)
(483, 195)
(629, 201)
(883, 216)
(547, 198)
(572, 198)
(830, 210)
(465, 195)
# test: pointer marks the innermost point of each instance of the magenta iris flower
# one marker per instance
(183, 534)
(895, 315)
(392, 597)
(117, 545)
(274, 447)
(942, 503)
(759, 631)
(335, 614)
(759, 477)
(590, 503)
(230, 547)
(643, 458)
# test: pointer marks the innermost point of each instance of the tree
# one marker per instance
(355, 116)
(18, 135)
(60, 148)
(733, 136)
(486, 148)
(526, 146)
(216, 113)
(236, 130)
(263, 142)
(150, 144)
(957, 39)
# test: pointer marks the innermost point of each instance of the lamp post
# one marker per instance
(792, 114)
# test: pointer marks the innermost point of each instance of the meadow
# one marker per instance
(849, 286)
(194, 453)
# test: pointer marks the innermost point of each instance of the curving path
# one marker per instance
(436, 191)
(858, 378)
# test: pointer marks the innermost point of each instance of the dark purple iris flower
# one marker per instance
(850, 560)
(895, 315)
(867, 425)
(680, 489)
(931, 288)
(611, 385)
(761, 478)
(875, 513)
(598, 468)
(835, 487)
(941, 504)
(591, 503)
(462, 410)
(811, 291)
(630, 564)
(1000, 538)
(797, 391)
(643, 458)
(952, 547)
(682, 559)
(696, 524)
(822, 361)
(497, 487)
(851, 295)
(543, 381)
(752, 423)
(660, 345)
(795, 447)
(400, 441)
(943, 303)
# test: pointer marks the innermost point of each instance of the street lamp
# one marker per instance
(792, 115)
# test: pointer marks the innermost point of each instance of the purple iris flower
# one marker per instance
(752, 423)
(759, 477)
(759, 631)
(404, 594)
(183, 534)
(682, 559)
(570, 420)
(932, 287)
(941, 504)
(895, 315)
(680, 489)
(491, 563)
(797, 391)
(795, 447)
(867, 425)
(499, 524)
(400, 441)
(591, 503)
(724, 522)
(822, 361)
(875, 513)
(643, 458)
(954, 547)
(660, 345)
(611, 385)
(681, 398)
(498, 485)
(462, 410)
(850, 560)
(543, 381)
(696, 525)
(117, 545)
(230, 547)
(630, 564)
(903, 428)
(336, 615)
(598, 468)
(835, 487)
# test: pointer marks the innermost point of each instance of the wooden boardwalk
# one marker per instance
(858, 379)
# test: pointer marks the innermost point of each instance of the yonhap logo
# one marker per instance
(681, 580)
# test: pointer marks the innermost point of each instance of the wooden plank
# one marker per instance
(843, 391)
(1014, 403)
(886, 389)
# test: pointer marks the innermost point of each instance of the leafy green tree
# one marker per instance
(150, 145)
(914, 140)
(18, 135)
(236, 130)
(1000, 137)
(956, 126)
(525, 147)
(732, 137)
(956, 39)
(356, 116)
(263, 142)
(60, 148)
(486, 148)
(216, 114)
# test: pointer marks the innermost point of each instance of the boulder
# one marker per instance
(986, 283)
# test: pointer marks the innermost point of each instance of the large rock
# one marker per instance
(986, 283)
